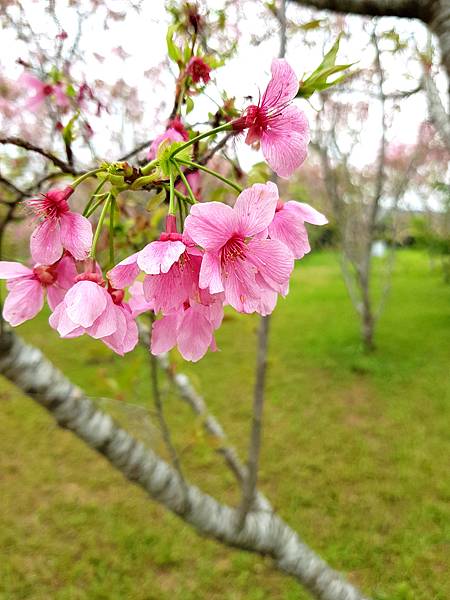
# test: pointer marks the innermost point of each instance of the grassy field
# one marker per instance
(355, 456)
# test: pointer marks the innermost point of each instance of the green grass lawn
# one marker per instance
(355, 455)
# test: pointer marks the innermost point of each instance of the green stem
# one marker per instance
(81, 178)
(194, 165)
(100, 225)
(171, 193)
(91, 199)
(186, 184)
(178, 194)
(112, 206)
(146, 169)
(201, 136)
(94, 207)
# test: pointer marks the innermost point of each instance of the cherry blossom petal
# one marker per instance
(108, 322)
(164, 334)
(137, 302)
(85, 302)
(289, 229)
(76, 234)
(285, 143)
(210, 225)
(241, 290)
(158, 257)
(172, 135)
(307, 213)
(125, 337)
(60, 321)
(60, 96)
(55, 295)
(45, 242)
(210, 273)
(194, 333)
(13, 270)
(66, 272)
(255, 208)
(125, 272)
(283, 86)
(24, 301)
(273, 261)
(267, 302)
(166, 292)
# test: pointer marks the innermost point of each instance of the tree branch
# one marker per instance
(410, 9)
(15, 141)
(250, 482)
(263, 533)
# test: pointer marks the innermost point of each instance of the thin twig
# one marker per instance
(165, 431)
(250, 482)
(15, 141)
(136, 150)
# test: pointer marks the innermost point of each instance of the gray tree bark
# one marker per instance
(263, 532)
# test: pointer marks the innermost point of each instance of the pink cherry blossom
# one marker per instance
(239, 259)
(171, 267)
(288, 225)
(191, 327)
(42, 91)
(137, 302)
(60, 228)
(27, 287)
(281, 128)
(177, 124)
(171, 134)
(198, 70)
(89, 307)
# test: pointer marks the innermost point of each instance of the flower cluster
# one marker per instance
(241, 256)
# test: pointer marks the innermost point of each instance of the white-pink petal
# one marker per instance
(210, 225)
(306, 212)
(45, 242)
(157, 257)
(195, 333)
(13, 270)
(210, 273)
(255, 208)
(283, 86)
(125, 272)
(76, 234)
(24, 301)
(285, 143)
(85, 302)
(164, 334)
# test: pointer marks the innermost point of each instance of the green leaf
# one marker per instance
(70, 91)
(189, 104)
(67, 132)
(318, 80)
(315, 24)
(172, 49)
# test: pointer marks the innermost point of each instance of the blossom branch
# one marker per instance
(15, 141)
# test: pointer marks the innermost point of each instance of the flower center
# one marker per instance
(90, 276)
(46, 274)
(116, 295)
(47, 90)
(233, 250)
